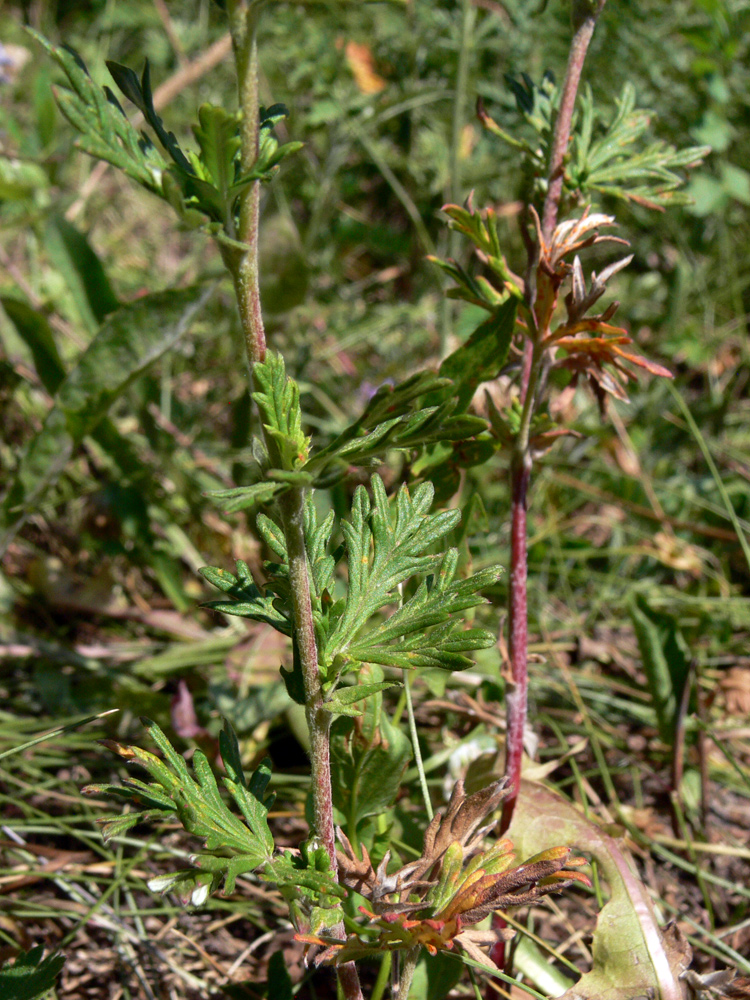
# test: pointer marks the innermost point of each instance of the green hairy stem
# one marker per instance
(243, 19)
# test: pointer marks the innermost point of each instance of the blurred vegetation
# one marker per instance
(646, 516)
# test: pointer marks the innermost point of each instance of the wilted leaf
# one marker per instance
(632, 956)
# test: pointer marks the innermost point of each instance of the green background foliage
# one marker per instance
(633, 536)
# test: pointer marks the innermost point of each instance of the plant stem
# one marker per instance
(516, 695)
(468, 17)
(454, 186)
(243, 24)
(585, 15)
(318, 719)
(408, 967)
(516, 698)
(243, 20)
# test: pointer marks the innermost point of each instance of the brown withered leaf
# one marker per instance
(354, 873)
(461, 820)
(465, 895)
(606, 350)
(360, 61)
(588, 356)
(377, 884)
(722, 985)
(570, 236)
(430, 902)
(736, 688)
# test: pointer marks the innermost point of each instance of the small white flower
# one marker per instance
(161, 883)
(200, 895)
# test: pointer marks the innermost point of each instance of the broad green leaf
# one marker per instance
(31, 976)
(387, 544)
(85, 278)
(279, 980)
(126, 346)
(368, 763)
(666, 661)
(632, 957)
(233, 845)
(484, 354)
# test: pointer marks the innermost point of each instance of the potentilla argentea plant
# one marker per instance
(400, 602)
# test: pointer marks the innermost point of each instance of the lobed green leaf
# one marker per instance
(105, 132)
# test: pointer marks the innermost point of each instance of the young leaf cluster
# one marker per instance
(481, 229)
(201, 186)
(537, 105)
(234, 844)
(105, 132)
(277, 398)
(279, 459)
(386, 545)
(424, 411)
(605, 160)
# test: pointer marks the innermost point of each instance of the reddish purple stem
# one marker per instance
(516, 696)
(585, 14)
